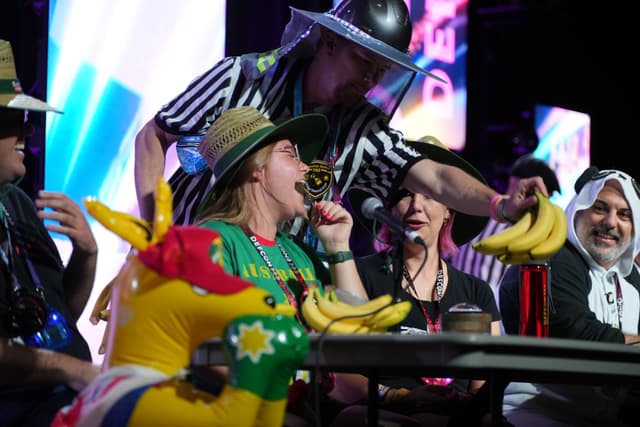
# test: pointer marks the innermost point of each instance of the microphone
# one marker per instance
(372, 208)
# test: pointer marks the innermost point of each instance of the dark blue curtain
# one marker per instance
(256, 26)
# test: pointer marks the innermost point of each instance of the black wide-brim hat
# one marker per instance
(465, 227)
(351, 32)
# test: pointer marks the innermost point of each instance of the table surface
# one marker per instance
(511, 358)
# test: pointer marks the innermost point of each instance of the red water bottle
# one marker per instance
(534, 299)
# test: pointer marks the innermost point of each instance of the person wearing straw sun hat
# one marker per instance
(421, 274)
(260, 178)
(326, 62)
(11, 94)
(244, 130)
(329, 63)
(43, 358)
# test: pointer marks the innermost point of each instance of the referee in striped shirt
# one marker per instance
(329, 63)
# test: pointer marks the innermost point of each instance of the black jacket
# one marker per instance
(569, 313)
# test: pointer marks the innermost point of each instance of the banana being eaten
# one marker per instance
(536, 236)
(326, 313)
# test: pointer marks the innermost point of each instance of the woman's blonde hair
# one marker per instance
(230, 203)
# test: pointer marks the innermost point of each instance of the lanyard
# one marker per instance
(334, 151)
(619, 301)
(433, 326)
(7, 255)
(8, 258)
(309, 236)
(290, 297)
(297, 94)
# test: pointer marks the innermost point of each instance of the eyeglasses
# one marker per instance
(593, 174)
(291, 150)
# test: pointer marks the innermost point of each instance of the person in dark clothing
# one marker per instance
(328, 63)
(595, 296)
(420, 274)
(44, 360)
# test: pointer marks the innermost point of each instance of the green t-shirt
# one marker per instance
(241, 258)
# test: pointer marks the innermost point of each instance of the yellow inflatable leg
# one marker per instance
(177, 403)
(271, 413)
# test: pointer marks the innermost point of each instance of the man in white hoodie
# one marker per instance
(595, 293)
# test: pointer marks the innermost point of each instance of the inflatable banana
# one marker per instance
(137, 230)
(163, 214)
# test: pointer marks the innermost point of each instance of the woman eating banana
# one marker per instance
(420, 274)
(260, 177)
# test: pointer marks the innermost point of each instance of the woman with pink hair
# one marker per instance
(417, 270)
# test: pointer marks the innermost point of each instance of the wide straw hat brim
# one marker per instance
(25, 102)
(465, 227)
(11, 94)
(307, 132)
(374, 45)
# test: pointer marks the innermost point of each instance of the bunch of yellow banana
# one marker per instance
(326, 313)
(538, 235)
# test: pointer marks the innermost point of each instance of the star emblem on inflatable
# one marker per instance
(254, 341)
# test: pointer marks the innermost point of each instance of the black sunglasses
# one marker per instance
(13, 122)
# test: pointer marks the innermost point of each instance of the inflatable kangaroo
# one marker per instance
(169, 298)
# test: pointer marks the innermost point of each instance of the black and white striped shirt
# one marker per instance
(370, 154)
(485, 267)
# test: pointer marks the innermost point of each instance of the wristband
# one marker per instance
(339, 257)
(493, 209)
(501, 214)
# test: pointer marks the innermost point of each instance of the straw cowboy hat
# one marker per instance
(465, 227)
(11, 95)
(240, 131)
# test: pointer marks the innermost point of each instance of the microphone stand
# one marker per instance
(398, 265)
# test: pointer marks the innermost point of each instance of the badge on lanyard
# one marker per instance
(319, 179)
